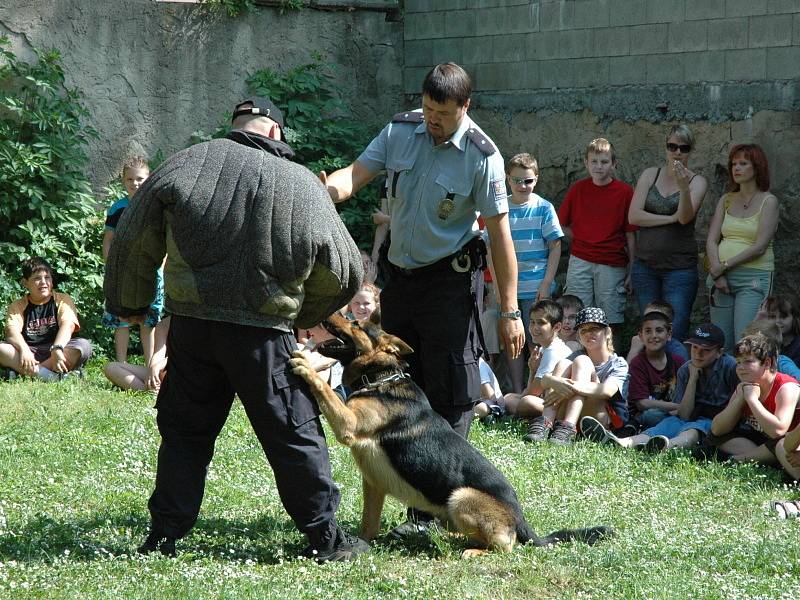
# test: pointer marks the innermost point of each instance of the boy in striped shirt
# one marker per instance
(537, 235)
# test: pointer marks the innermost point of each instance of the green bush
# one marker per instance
(47, 207)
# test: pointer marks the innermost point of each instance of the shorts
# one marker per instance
(759, 438)
(673, 426)
(154, 312)
(598, 285)
(42, 352)
(496, 406)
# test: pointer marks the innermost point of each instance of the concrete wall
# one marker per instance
(551, 75)
(154, 72)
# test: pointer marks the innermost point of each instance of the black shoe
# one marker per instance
(563, 433)
(538, 430)
(343, 547)
(154, 542)
(411, 529)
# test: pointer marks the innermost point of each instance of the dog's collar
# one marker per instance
(366, 384)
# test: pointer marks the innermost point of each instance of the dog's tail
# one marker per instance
(589, 535)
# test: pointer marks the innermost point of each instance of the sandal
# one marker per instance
(786, 509)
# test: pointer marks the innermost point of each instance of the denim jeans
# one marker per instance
(676, 286)
(733, 312)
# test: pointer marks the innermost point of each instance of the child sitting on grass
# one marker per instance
(673, 346)
(39, 328)
(653, 373)
(590, 385)
(571, 305)
(762, 408)
(545, 324)
(704, 386)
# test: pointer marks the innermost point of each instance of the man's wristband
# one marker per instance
(56, 347)
(512, 314)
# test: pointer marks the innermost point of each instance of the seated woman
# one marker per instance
(762, 408)
(664, 206)
(143, 377)
(739, 245)
(39, 328)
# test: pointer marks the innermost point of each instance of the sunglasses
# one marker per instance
(684, 148)
(520, 181)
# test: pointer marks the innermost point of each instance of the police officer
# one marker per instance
(441, 168)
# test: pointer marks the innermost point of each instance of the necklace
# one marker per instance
(746, 205)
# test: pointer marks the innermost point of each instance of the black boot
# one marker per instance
(154, 542)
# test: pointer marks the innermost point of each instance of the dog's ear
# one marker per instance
(394, 345)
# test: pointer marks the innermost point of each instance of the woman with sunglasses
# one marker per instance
(664, 206)
(739, 245)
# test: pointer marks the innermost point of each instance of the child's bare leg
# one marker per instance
(686, 439)
(147, 335)
(480, 410)
(743, 450)
(122, 336)
(582, 370)
(126, 376)
(635, 440)
(529, 406)
(9, 357)
(780, 453)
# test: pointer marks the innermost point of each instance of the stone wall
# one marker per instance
(551, 75)
(155, 72)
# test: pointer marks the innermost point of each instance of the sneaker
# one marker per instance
(342, 547)
(538, 430)
(593, 430)
(563, 433)
(626, 431)
(410, 529)
(657, 444)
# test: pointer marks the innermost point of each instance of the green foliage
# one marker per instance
(46, 203)
(233, 7)
(323, 131)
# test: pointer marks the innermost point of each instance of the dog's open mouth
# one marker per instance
(342, 350)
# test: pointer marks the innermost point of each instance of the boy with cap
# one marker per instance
(704, 386)
(589, 384)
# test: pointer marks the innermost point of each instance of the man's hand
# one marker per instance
(513, 336)
(27, 361)
(59, 361)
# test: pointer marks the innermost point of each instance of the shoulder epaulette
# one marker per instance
(408, 117)
(483, 143)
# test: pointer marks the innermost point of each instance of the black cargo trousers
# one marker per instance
(209, 362)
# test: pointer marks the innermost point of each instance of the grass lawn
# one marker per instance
(77, 466)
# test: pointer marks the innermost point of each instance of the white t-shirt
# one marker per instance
(551, 355)
(488, 376)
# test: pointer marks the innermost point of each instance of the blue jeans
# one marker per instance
(676, 286)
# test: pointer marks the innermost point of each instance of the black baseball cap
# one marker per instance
(260, 107)
(707, 335)
(591, 314)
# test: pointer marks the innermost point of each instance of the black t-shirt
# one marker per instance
(41, 323)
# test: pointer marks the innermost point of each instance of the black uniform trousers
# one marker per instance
(209, 361)
(434, 313)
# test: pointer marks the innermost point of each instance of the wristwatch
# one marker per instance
(56, 347)
(514, 314)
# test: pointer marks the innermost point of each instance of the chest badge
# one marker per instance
(446, 208)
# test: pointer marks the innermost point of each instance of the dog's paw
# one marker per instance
(301, 367)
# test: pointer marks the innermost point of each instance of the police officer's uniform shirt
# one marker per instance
(435, 192)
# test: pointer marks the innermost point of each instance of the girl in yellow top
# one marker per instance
(739, 245)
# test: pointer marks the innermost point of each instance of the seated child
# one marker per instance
(653, 373)
(673, 346)
(134, 173)
(571, 306)
(704, 386)
(39, 328)
(143, 377)
(787, 451)
(786, 314)
(589, 385)
(763, 406)
(545, 323)
(366, 300)
(771, 329)
(491, 403)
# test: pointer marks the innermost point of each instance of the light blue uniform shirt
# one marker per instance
(435, 192)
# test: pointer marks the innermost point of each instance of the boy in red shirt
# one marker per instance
(594, 217)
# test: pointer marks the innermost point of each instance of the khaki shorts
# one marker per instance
(598, 285)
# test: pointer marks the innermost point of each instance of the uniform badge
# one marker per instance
(446, 208)
(499, 187)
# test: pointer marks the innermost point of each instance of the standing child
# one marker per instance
(594, 216)
(537, 235)
(590, 385)
(762, 409)
(134, 173)
(653, 373)
(39, 328)
(571, 306)
(704, 386)
(364, 303)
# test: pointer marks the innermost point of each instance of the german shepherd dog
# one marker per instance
(404, 449)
